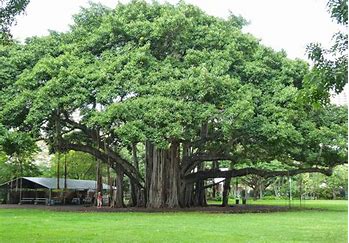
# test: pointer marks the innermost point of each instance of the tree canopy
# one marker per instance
(187, 87)
(9, 9)
(330, 72)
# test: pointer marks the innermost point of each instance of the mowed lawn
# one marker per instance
(31, 225)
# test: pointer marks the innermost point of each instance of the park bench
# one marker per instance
(40, 200)
(26, 200)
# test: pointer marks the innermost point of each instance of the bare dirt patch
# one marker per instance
(207, 209)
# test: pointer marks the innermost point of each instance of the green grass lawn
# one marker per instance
(31, 225)
(333, 205)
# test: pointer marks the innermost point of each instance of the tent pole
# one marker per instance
(300, 191)
(57, 142)
(65, 171)
(290, 189)
(108, 173)
(8, 196)
(20, 191)
(11, 191)
(65, 177)
(58, 161)
(49, 196)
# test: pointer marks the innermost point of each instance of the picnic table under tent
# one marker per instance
(37, 190)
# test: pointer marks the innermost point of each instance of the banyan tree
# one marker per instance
(163, 94)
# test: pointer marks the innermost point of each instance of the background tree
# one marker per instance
(80, 166)
(16, 155)
(330, 72)
(9, 9)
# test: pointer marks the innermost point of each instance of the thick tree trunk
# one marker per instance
(226, 190)
(214, 167)
(137, 196)
(173, 177)
(200, 192)
(214, 193)
(149, 147)
(186, 189)
(134, 189)
(141, 202)
(156, 188)
(187, 194)
(261, 189)
(276, 187)
(99, 176)
(118, 197)
(162, 176)
(181, 193)
(133, 199)
(255, 193)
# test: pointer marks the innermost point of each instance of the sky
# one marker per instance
(280, 24)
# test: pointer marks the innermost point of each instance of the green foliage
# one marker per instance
(163, 73)
(339, 11)
(9, 9)
(332, 187)
(80, 166)
(310, 186)
(330, 70)
(17, 143)
(16, 149)
(13, 168)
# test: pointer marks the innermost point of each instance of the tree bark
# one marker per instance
(99, 176)
(118, 197)
(200, 192)
(149, 147)
(188, 190)
(134, 189)
(226, 190)
(173, 176)
(261, 189)
(214, 167)
(255, 193)
(156, 188)
(162, 176)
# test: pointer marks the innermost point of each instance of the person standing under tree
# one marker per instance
(99, 200)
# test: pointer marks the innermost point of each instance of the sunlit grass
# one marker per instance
(335, 205)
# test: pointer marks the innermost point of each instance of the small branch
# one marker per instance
(118, 161)
(203, 175)
(213, 184)
(190, 162)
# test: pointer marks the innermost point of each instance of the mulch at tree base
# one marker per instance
(207, 209)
